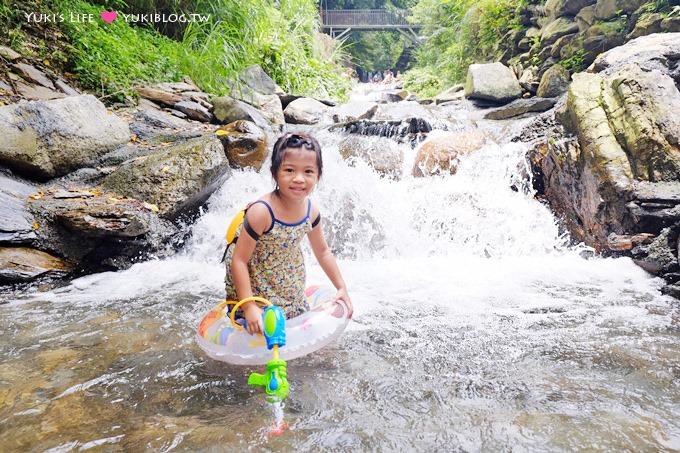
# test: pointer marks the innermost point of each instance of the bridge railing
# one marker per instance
(363, 17)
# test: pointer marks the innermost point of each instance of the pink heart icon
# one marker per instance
(109, 16)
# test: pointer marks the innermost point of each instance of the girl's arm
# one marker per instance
(259, 220)
(327, 262)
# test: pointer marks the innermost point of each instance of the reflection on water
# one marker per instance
(476, 329)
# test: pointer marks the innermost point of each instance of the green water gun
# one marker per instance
(274, 379)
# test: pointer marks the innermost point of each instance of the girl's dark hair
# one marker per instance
(297, 140)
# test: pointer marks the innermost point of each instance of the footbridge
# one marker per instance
(339, 22)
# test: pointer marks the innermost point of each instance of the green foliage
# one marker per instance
(461, 32)
(374, 50)
(113, 58)
(575, 62)
(425, 80)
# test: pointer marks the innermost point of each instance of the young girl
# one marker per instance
(267, 259)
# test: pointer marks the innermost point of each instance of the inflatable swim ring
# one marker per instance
(312, 330)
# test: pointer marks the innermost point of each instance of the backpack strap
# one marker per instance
(241, 219)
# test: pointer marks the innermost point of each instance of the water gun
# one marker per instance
(274, 380)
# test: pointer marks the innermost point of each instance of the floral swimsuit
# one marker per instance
(277, 266)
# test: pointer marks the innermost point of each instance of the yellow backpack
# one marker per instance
(235, 223)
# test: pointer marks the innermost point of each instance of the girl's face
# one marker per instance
(298, 174)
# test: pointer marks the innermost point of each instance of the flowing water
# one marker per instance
(476, 328)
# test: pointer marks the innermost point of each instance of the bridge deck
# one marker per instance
(367, 19)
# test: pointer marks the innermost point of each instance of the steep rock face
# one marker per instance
(614, 170)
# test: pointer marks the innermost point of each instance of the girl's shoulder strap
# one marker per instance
(271, 213)
(317, 219)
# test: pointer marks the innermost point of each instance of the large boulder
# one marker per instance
(492, 82)
(177, 180)
(441, 154)
(554, 82)
(44, 139)
(381, 154)
(256, 88)
(305, 111)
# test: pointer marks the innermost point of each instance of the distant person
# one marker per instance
(387, 78)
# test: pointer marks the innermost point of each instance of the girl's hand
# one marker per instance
(342, 294)
(253, 315)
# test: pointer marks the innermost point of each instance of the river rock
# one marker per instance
(177, 179)
(492, 82)
(520, 107)
(194, 110)
(33, 74)
(355, 110)
(554, 82)
(43, 139)
(613, 173)
(652, 52)
(227, 110)
(256, 88)
(23, 264)
(98, 230)
(305, 111)
(441, 154)
(16, 221)
(244, 143)
(158, 95)
(381, 154)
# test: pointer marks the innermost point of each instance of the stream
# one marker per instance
(477, 327)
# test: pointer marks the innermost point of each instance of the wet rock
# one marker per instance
(441, 154)
(16, 222)
(623, 242)
(455, 93)
(660, 256)
(244, 143)
(411, 130)
(99, 230)
(381, 154)
(44, 139)
(356, 110)
(22, 264)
